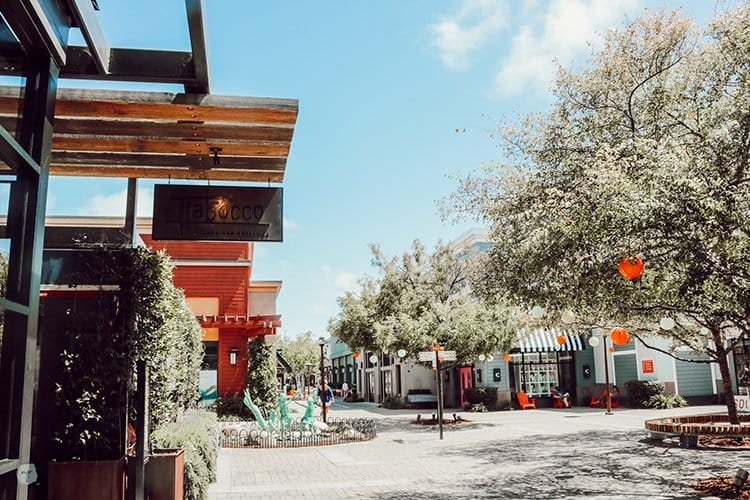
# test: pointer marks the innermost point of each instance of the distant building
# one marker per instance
(231, 308)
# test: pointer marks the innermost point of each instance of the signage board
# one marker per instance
(742, 403)
(442, 355)
(426, 356)
(647, 365)
(217, 213)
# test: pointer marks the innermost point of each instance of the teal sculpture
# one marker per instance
(257, 412)
(308, 420)
(280, 423)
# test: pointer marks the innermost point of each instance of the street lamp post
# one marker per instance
(322, 391)
(606, 376)
(307, 377)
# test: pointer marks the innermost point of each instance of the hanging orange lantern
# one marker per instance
(619, 336)
(631, 267)
(561, 339)
(506, 356)
(611, 349)
(355, 354)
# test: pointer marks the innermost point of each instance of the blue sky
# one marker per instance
(393, 96)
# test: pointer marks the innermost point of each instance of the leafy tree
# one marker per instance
(644, 152)
(418, 300)
(299, 351)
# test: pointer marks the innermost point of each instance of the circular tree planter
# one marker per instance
(690, 428)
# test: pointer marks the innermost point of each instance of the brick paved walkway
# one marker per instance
(533, 454)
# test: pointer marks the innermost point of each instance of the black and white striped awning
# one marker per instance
(545, 340)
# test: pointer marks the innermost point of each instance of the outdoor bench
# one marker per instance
(421, 398)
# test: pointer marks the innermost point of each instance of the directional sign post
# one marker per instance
(437, 355)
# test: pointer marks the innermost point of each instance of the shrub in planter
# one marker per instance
(666, 401)
(477, 408)
(486, 396)
(640, 391)
(195, 432)
(394, 403)
(103, 339)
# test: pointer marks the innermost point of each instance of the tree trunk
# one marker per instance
(726, 379)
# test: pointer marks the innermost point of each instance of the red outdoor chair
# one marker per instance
(524, 401)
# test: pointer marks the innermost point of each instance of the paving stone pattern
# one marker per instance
(562, 453)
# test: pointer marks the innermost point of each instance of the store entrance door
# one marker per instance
(465, 381)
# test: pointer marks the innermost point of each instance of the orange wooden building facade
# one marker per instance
(216, 278)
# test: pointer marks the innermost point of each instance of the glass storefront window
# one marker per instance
(537, 373)
(742, 366)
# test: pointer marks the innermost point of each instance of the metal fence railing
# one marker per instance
(335, 431)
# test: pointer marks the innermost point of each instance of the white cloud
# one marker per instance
(468, 29)
(114, 204)
(562, 31)
(339, 281)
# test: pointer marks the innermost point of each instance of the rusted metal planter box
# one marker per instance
(87, 480)
(165, 472)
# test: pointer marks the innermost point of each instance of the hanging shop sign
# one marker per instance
(217, 213)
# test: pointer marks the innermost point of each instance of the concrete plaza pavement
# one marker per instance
(544, 453)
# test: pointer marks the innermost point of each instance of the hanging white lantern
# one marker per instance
(482, 357)
(401, 353)
(666, 323)
(594, 341)
(537, 312)
(568, 317)
(373, 359)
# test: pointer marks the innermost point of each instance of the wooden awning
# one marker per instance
(162, 135)
(251, 325)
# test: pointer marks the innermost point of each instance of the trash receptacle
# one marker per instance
(165, 472)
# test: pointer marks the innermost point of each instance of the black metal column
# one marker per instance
(26, 212)
(141, 429)
(131, 210)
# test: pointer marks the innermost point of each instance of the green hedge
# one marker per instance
(147, 320)
(232, 408)
(640, 392)
(195, 432)
(486, 396)
(261, 374)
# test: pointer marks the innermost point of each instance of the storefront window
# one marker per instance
(537, 373)
(742, 366)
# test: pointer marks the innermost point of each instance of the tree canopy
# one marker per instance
(420, 299)
(300, 351)
(644, 152)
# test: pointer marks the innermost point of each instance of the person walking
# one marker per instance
(325, 393)
(344, 390)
